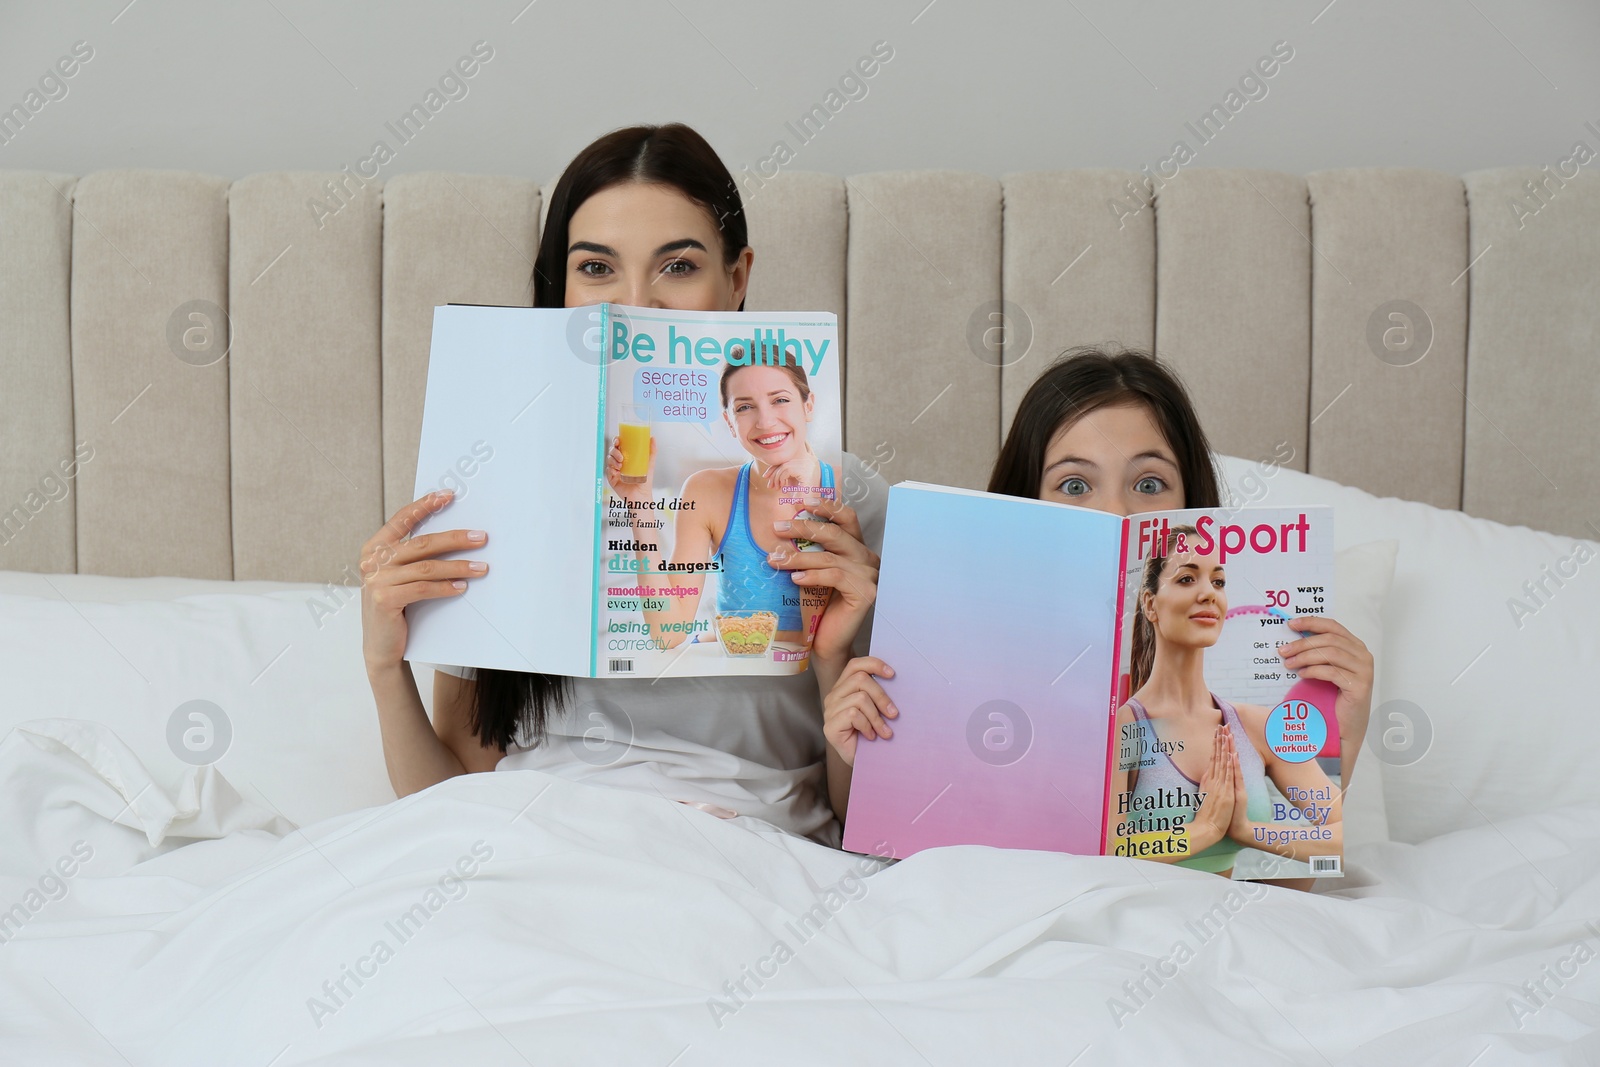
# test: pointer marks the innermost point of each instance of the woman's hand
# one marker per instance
(1221, 807)
(804, 469)
(845, 565)
(1240, 829)
(856, 706)
(1331, 653)
(634, 491)
(397, 569)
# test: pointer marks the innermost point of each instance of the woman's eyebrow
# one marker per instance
(772, 392)
(607, 250)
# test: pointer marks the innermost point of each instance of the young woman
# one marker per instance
(766, 408)
(1118, 433)
(1209, 745)
(646, 216)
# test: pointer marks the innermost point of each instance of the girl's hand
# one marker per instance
(397, 570)
(635, 491)
(845, 565)
(1331, 653)
(1215, 816)
(857, 706)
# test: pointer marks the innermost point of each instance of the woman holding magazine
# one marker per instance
(1117, 433)
(645, 216)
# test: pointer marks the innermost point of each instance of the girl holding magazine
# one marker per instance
(1117, 433)
(646, 216)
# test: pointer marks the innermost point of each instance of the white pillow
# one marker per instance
(1499, 716)
(1362, 577)
(127, 652)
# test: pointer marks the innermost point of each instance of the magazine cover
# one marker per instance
(1208, 596)
(629, 465)
(1048, 687)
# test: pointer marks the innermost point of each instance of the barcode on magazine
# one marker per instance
(625, 666)
(1326, 865)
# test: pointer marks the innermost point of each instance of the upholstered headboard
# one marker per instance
(1404, 331)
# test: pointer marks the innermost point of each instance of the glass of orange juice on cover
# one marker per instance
(634, 440)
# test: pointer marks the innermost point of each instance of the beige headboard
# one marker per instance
(1272, 294)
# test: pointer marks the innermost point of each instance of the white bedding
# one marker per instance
(600, 926)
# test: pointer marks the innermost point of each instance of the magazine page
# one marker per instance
(508, 424)
(1209, 596)
(998, 616)
(716, 426)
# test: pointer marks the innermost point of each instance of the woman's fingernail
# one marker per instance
(476, 535)
(459, 584)
(782, 525)
(813, 501)
(477, 566)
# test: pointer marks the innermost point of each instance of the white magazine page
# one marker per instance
(511, 424)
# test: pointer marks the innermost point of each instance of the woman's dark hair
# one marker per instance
(1087, 379)
(672, 155)
(1142, 654)
(509, 703)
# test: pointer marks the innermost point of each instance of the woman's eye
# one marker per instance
(1149, 485)
(583, 268)
(1074, 487)
(670, 268)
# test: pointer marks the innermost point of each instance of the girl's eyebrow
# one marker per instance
(1080, 461)
(606, 250)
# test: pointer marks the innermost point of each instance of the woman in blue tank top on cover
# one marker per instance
(766, 406)
(1206, 775)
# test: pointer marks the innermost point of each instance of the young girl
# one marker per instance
(646, 216)
(1117, 433)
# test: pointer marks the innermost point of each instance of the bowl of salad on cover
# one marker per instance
(746, 633)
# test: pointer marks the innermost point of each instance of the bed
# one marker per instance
(277, 905)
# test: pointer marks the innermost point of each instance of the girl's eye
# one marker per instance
(583, 268)
(1149, 485)
(688, 267)
(1074, 487)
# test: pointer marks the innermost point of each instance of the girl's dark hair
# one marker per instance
(507, 704)
(1087, 379)
(1143, 651)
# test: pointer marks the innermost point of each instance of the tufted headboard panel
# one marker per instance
(221, 379)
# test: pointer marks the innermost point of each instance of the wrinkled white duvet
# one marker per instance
(515, 917)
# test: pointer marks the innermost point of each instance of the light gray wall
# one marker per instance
(255, 85)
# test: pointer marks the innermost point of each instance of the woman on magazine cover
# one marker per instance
(646, 216)
(1204, 762)
(766, 405)
(1116, 432)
